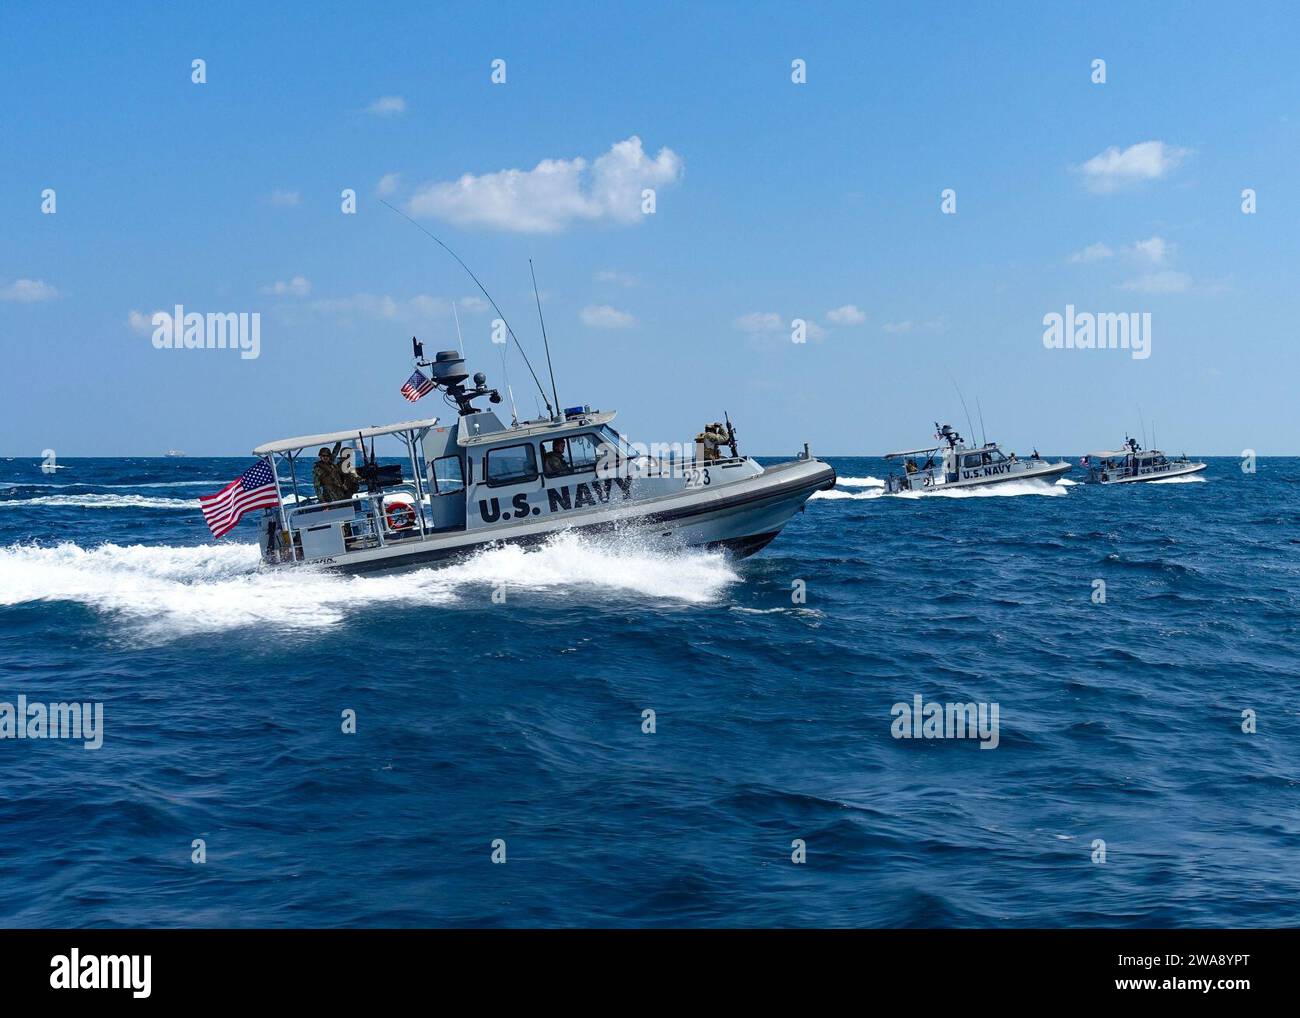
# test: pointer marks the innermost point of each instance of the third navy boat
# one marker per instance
(477, 481)
(951, 464)
(1133, 463)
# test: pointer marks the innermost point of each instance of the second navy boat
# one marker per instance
(952, 465)
(1132, 463)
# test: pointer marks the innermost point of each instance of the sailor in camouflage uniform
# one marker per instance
(329, 480)
(713, 436)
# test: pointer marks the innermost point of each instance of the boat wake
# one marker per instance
(1003, 490)
(93, 501)
(873, 487)
(164, 592)
(1190, 479)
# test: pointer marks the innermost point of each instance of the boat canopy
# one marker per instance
(912, 452)
(1108, 455)
(329, 438)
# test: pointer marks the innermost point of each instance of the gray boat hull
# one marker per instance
(742, 517)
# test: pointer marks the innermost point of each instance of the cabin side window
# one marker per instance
(574, 455)
(970, 460)
(448, 477)
(510, 464)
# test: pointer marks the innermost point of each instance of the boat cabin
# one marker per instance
(471, 475)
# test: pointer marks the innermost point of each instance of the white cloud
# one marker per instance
(388, 184)
(1093, 253)
(848, 314)
(387, 106)
(554, 194)
(1153, 250)
(286, 199)
(298, 286)
(1147, 160)
(472, 305)
(614, 276)
(28, 291)
(141, 323)
(761, 321)
(1166, 281)
(602, 316)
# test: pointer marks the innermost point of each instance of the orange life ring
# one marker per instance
(400, 515)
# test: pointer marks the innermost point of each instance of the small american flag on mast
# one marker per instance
(416, 386)
(255, 488)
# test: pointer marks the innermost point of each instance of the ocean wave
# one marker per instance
(860, 482)
(166, 591)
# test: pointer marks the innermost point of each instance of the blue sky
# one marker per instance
(775, 201)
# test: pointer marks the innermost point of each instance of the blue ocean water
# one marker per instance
(224, 685)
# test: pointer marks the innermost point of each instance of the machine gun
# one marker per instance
(731, 435)
(376, 476)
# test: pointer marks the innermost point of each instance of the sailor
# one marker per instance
(554, 462)
(910, 466)
(713, 436)
(330, 482)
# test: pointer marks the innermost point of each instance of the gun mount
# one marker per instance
(447, 371)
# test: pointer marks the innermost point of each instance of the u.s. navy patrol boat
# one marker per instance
(951, 464)
(1133, 463)
(478, 481)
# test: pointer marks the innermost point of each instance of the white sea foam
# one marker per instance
(859, 482)
(1001, 490)
(836, 494)
(164, 592)
(214, 485)
(1189, 479)
(93, 501)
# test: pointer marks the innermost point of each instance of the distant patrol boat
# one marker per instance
(952, 465)
(1132, 463)
(479, 481)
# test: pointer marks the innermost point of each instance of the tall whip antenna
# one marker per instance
(969, 425)
(500, 315)
(545, 344)
(460, 340)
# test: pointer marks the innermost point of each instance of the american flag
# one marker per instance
(416, 386)
(254, 489)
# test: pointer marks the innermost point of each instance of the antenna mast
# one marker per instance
(500, 315)
(460, 340)
(545, 344)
